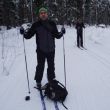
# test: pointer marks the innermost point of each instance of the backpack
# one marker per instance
(55, 91)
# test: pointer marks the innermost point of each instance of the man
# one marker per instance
(46, 32)
(79, 27)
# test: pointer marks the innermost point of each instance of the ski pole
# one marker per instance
(27, 97)
(64, 59)
(2, 45)
(84, 38)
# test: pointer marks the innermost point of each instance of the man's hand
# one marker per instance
(22, 31)
(63, 30)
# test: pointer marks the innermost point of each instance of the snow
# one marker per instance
(88, 71)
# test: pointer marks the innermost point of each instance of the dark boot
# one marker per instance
(39, 85)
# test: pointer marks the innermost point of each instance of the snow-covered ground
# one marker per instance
(88, 71)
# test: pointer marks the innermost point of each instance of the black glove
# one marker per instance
(63, 30)
(22, 31)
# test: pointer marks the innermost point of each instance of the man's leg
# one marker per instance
(40, 66)
(81, 37)
(78, 40)
(51, 66)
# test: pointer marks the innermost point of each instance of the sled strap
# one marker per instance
(62, 85)
(64, 106)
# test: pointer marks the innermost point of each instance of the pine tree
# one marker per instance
(9, 13)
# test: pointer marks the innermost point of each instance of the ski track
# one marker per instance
(88, 72)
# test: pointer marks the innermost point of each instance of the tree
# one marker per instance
(62, 11)
(9, 13)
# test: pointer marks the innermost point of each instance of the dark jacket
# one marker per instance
(79, 27)
(46, 32)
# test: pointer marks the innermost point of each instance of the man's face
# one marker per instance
(43, 15)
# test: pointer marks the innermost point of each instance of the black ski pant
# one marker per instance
(41, 58)
(80, 40)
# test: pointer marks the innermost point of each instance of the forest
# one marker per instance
(93, 12)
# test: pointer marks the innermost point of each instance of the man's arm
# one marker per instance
(30, 32)
(57, 34)
(76, 25)
(83, 25)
